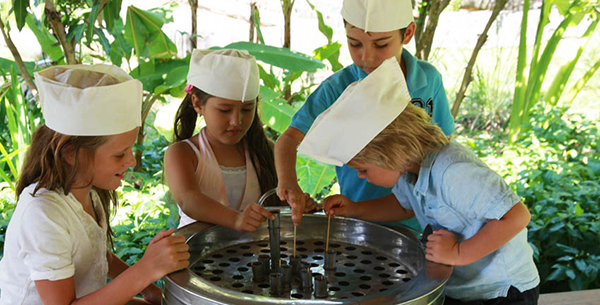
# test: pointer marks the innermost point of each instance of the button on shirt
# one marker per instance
(457, 192)
(51, 237)
(426, 89)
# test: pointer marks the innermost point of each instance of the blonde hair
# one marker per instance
(405, 141)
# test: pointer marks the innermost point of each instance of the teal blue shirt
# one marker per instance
(457, 192)
(426, 89)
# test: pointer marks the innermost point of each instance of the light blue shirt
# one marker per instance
(426, 89)
(456, 191)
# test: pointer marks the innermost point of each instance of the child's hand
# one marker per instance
(442, 247)
(251, 218)
(293, 195)
(340, 205)
(310, 204)
(166, 254)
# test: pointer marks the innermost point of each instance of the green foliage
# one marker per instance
(143, 32)
(528, 88)
(280, 57)
(18, 120)
(555, 170)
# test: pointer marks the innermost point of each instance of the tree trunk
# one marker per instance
(426, 38)
(59, 30)
(19, 61)
(253, 21)
(194, 38)
(420, 22)
(460, 95)
(287, 6)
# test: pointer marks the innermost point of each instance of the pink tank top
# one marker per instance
(210, 178)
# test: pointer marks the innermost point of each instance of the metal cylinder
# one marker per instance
(295, 264)
(330, 259)
(265, 259)
(320, 286)
(257, 271)
(305, 280)
(274, 232)
(276, 282)
(286, 271)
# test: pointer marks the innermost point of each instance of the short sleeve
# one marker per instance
(441, 109)
(45, 241)
(476, 191)
(400, 190)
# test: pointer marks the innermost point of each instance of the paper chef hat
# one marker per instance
(89, 100)
(378, 15)
(363, 110)
(226, 73)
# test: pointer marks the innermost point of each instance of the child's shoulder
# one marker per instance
(43, 202)
(183, 153)
(452, 154)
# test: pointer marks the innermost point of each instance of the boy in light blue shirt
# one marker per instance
(376, 31)
(479, 222)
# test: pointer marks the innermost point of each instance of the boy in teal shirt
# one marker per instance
(376, 31)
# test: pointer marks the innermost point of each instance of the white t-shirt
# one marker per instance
(51, 237)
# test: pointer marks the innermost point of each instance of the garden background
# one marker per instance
(520, 76)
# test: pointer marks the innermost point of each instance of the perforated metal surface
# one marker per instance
(375, 265)
(359, 270)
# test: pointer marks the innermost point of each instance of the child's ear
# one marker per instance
(69, 155)
(196, 104)
(409, 33)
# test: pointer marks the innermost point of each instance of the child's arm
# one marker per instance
(180, 176)
(116, 266)
(386, 208)
(442, 246)
(164, 255)
(285, 163)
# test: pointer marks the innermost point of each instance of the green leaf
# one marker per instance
(97, 4)
(323, 28)
(279, 57)
(19, 7)
(110, 12)
(556, 275)
(47, 41)
(6, 64)
(143, 32)
(313, 176)
(154, 73)
(276, 113)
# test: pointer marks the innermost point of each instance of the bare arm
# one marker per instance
(385, 208)
(180, 163)
(164, 255)
(285, 163)
(442, 246)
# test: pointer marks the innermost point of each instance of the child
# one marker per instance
(479, 223)
(56, 242)
(224, 169)
(376, 30)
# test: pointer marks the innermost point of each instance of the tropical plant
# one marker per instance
(528, 88)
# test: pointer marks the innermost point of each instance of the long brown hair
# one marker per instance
(45, 164)
(261, 153)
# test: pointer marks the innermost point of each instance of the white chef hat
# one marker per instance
(226, 73)
(89, 100)
(378, 15)
(363, 110)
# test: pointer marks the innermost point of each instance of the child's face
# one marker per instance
(375, 174)
(369, 50)
(112, 159)
(227, 121)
